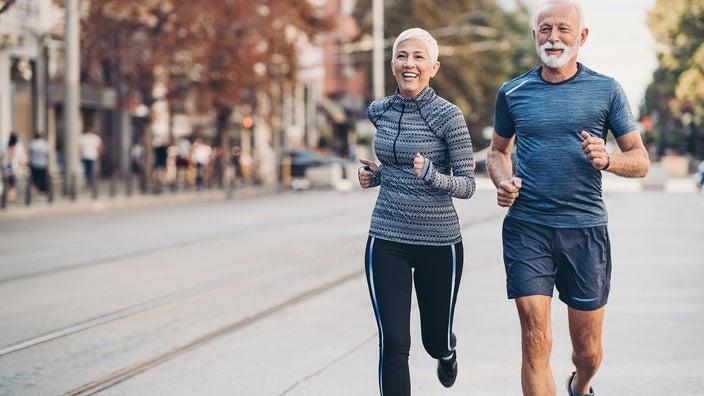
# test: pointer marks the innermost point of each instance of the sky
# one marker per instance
(619, 43)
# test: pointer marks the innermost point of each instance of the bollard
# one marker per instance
(3, 194)
(128, 184)
(28, 190)
(286, 170)
(94, 188)
(113, 186)
(72, 187)
(143, 182)
(49, 188)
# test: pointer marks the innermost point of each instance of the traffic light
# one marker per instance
(247, 122)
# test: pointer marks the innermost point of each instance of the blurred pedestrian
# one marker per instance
(201, 158)
(237, 164)
(183, 161)
(555, 232)
(39, 161)
(161, 156)
(91, 148)
(215, 167)
(137, 158)
(425, 150)
(14, 160)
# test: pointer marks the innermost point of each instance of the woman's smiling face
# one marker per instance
(413, 67)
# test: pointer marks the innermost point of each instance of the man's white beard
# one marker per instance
(553, 61)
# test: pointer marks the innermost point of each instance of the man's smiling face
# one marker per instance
(558, 35)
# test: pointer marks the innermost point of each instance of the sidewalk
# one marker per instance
(117, 197)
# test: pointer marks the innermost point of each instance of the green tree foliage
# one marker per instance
(481, 47)
(676, 95)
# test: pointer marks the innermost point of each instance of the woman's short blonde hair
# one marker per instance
(420, 34)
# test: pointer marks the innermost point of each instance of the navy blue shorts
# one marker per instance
(576, 261)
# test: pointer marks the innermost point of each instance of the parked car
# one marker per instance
(304, 159)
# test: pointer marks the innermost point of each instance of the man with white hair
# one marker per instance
(555, 231)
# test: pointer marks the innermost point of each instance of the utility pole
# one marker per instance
(378, 51)
(72, 100)
(42, 106)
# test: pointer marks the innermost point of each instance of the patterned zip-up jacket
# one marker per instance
(420, 210)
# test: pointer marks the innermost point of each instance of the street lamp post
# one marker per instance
(378, 51)
(72, 99)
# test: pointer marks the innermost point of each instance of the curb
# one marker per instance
(88, 205)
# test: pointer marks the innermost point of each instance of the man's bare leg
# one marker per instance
(587, 353)
(536, 343)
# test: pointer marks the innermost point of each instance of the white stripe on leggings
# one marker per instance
(376, 312)
(452, 296)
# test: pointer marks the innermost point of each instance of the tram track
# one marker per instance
(154, 303)
(177, 298)
(136, 369)
(106, 260)
(202, 288)
(133, 310)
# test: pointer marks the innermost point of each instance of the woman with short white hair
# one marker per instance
(425, 150)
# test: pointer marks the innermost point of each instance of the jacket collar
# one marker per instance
(417, 102)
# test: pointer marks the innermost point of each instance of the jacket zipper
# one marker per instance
(398, 131)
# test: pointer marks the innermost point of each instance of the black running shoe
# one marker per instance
(570, 388)
(447, 371)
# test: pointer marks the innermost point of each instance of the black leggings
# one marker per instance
(392, 269)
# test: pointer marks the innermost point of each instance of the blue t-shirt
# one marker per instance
(560, 186)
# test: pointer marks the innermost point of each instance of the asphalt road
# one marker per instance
(266, 296)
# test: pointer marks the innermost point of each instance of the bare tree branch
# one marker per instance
(6, 6)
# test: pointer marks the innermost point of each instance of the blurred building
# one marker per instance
(333, 88)
(320, 109)
(23, 31)
(31, 79)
